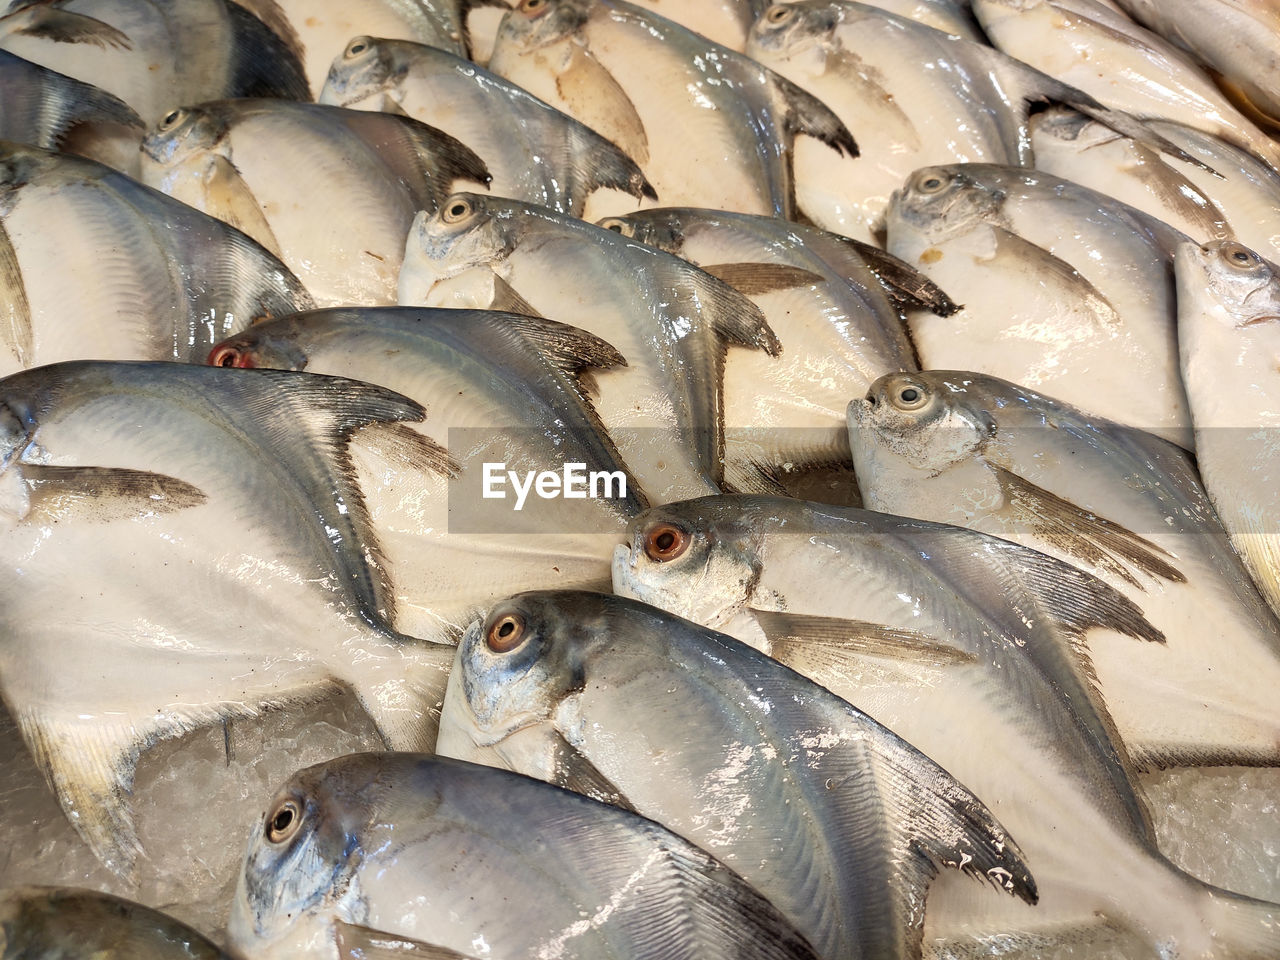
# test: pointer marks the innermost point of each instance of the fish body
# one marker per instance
(534, 152)
(262, 165)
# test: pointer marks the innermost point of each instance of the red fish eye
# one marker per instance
(534, 7)
(228, 356)
(505, 633)
(664, 542)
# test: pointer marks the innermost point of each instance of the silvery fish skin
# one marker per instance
(234, 567)
(831, 816)
(534, 152)
(1242, 202)
(60, 923)
(669, 320)
(841, 322)
(428, 857)
(263, 165)
(968, 647)
(155, 53)
(1067, 313)
(1119, 503)
(498, 388)
(724, 21)
(93, 263)
(1228, 306)
(1146, 76)
(45, 109)
(708, 126)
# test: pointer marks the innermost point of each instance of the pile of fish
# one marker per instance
(609, 479)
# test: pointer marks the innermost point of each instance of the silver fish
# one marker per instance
(1068, 313)
(1125, 506)
(534, 152)
(831, 816)
(968, 647)
(405, 855)
(669, 320)
(708, 126)
(261, 165)
(94, 264)
(234, 567)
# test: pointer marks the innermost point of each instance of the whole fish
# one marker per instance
(263, 165)
(1070, 313)
(233, 567)
(94, 264)
(831, 816)
(965, 645)
(57, 923)
(408, 855)
(669, 320)
(1228, 307)
(153, 54)
(1146, 76)
(1119, 503)
(534, 152)
(708, 126)
(498, 388)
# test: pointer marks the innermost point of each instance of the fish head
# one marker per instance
(1227, 282)
(533, 24)
(469, 230)
(17, 434)
(183, 133)
(791, 31)
(699, 559)
(367, 66)
(271, 346)
(660, 228)
(944, 202)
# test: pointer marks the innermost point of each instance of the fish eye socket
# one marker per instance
(228, 356)
(1238, 255)
(909, 396)
(172, 119)
(779, 14)
(456, 210)
(931, 183)
(356, 47)
(506, 633)
(665, 542)
(618, 225)
(284, 822)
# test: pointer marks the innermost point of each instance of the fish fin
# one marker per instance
(735, 319)
(858, 638)
(1097, 541)
(568, 348)
(277, 21)
(753, 279)
(573, 771)
(85, 104)
(507, 299)
(1072, 287)
(355, 942)
(62, 26)
(392, 106)
(230, 200)
(806, 114)
(597, 162)
(404, 448)
(262, 63)
(1178, 193)
(404, 695)
(103, 494)
(426, 159)
(1241, 927)
(15, 310)
(905, 285)
(1137, 130)
(595, 98)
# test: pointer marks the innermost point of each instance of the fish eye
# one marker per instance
(533, 7)
(618, 225)
(356, 47)
(506, 633)
(1238, 255)
(664, 542)
(172, 119)
(909, 396)
(779, 14)
(228, 356)
(456, 210)
(284, 822)
(931, 183)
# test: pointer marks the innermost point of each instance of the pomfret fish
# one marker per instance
(708, 126)
(968, 647)
(1229, 340)
(831, 816)
(414, 856)
(264, 165)
(1070, 313)
(56, 923)
(233, 567)
(534, 152)
(668, 319)
(1127, 507)
(94, 264)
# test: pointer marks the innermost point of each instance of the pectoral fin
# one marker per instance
(229, 198)
(854, 638)
(753, 279)
(595, 97)
(363, 943)
(15, 310)
(507, 299)
(406, 449)
(1065, 282)
(103, 494)
(573, 771)
(62, 26)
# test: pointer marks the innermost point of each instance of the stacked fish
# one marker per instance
(789, 481)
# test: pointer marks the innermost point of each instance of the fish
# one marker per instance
(1146, 77)
(1070, 313)
(95, 265)
(709, 127)
(62, 923)
(498, 388)
(234, 567)
(410, 855)
(154, 53)
(260, 165)
(968, 647)
(1228, 315)
(670, 321)
(833, 817)
(533, 152)
(725, 22)
(1123, 505)
(837, 304)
